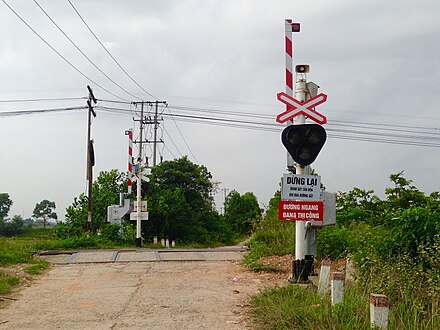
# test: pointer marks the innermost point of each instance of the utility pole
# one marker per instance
(138, 167)
(139, 182)
(155, 122)
(90, 157)
(225, 192)
(155, 135)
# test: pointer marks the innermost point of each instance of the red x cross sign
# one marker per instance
(295, 108)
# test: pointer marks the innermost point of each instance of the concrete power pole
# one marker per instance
(90, 158)
(155, 123)
(139, 182)
(138, 167)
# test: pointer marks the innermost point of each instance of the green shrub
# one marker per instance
(335, 242)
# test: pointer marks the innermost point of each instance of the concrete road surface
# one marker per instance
(203, 294)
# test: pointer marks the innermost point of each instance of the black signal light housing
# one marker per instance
(304, 142)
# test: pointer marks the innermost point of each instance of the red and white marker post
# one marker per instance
(129, 132)
(289, 27)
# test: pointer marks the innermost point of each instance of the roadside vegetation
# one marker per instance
(180, 204)
(394, 244)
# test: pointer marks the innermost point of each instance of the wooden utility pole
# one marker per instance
(90, 158)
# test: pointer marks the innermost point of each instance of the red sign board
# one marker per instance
(301, 210)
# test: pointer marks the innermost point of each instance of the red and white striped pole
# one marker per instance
(289, 57)
(130, 158)
(289, 27)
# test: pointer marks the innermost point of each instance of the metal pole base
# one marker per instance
(138, 242)
(302, 269)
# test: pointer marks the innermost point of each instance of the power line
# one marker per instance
(59, 54)
(384, 136)
(82, 53)
(174, 144)
(43, 100)
(183, 138)
(108, 52)
(38, 111)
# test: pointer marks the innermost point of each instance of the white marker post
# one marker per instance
(324, 277)
(337, 287)
(379, 307)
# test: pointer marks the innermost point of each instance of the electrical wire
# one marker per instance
(386, 133)
(372, 134)
(59, 54)
(174, 144)
(108, 52)
(38, 111)
(82, 53)
(43, 100)
(183, 138)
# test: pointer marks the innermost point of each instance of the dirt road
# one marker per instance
(138, 295)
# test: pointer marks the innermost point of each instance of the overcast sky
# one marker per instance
(378, 62)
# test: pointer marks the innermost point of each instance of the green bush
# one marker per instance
(13, 227)
(335, 242)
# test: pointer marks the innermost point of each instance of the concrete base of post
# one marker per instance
(337, 287)
(379, 307)
(324, 277)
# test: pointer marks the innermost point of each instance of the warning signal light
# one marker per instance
(296, 27)
(304, 142)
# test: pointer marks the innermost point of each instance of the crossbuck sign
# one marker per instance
(295, 108)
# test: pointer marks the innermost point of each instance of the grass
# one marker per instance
(411, 284)
(299, 307)
(7, 282)
(272, 238)
(37, 267)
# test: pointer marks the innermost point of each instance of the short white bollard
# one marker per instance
(154, 239)
(173, 243)
(379, 307)
(167, 243)
(162, 241)
(324, 277)
(337, 287)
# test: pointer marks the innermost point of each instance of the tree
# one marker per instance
(404, 195)
(105, 189)
(180, 203)
(241, 211)
(12, 227)
(45, 210)
(5, 205)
